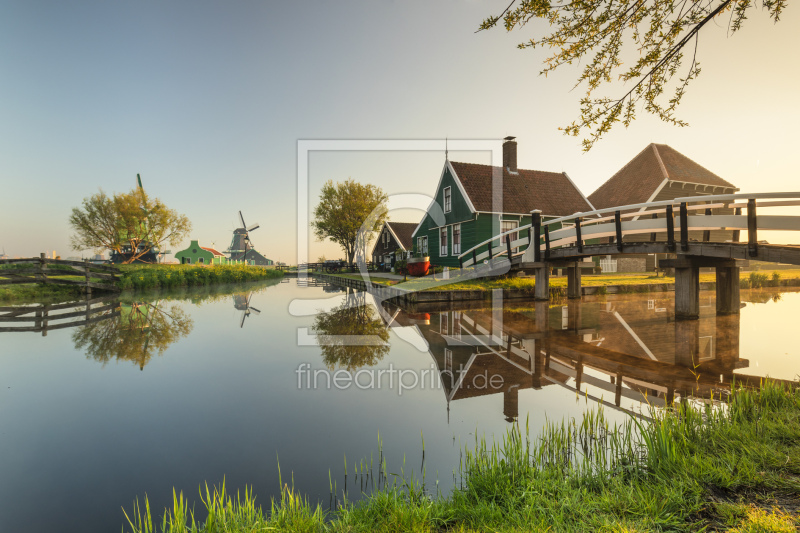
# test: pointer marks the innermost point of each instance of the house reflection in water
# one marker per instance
(621, 352)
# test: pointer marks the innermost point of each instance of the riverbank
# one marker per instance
(143, 277)
(417, 290)
(693, 468)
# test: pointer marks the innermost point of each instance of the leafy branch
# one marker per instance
(606, 31)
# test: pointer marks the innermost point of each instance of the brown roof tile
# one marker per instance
(636, 182)
(404, 231)
(681, 168)
(213, 251)
(551, 192)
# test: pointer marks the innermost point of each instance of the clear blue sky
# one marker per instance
(207, 100)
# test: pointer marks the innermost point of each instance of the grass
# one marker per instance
(765, 278)
(694, 467)
(36, 292)
(140, 277)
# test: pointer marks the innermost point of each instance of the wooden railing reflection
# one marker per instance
(47, 317)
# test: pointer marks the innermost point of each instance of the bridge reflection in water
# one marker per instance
(624, 353)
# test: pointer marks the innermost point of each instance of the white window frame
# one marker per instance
(422, 245)
(507, 237)
(456, 245)
(443, 245)
(447, 199)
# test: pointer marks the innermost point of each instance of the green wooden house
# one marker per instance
(465, 211)
(199, 255)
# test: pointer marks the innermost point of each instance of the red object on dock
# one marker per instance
(419, 267)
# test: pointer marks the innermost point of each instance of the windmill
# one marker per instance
(242, 303)
(240, 244)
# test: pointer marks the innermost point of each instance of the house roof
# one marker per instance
(636, 182)
(213, 251)
(403, 232)
(553, 193)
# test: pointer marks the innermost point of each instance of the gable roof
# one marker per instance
(553, 193)
(402, 232)
(643, 176)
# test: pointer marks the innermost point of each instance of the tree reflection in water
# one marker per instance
(142, 330)
(351, 335)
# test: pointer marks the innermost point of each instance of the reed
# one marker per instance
(139, 277)
(662, 473)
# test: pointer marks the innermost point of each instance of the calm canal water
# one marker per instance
(197, 386)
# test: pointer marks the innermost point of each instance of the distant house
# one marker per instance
(659, 172)
(464, 196)
(394, 240)
(199, 255)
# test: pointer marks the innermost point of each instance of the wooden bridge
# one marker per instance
(56, 272)
(697, 231)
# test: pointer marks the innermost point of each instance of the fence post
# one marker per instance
(654, 216)
(42, 274)
(752, 228)
(578, 234)
(536, 228)
(508, 247)
(547, 243)
(474, 258)
(736, 236)
(684, 227)
(86, 275)
(670, 229)
(618, 226)
(707, 232)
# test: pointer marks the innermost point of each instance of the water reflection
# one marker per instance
(142, 330)
(351, 335)
(147, 326)
(623, 352)
(241, 302)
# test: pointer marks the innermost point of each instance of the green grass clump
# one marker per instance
(140, 277)
(659, 474)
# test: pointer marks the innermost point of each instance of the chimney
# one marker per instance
(510, 154)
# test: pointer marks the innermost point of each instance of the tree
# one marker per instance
(140, 331)
(351, 335)
(348, 213)
(658, 30)
(132, 224)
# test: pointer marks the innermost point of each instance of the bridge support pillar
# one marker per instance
(687, 293)
(573, 281)
(687, 343)
(727, 290)
(687, 284)
(574, 316)
(541, 290)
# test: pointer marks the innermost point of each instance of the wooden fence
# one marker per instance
(53, 271)
(43, 318)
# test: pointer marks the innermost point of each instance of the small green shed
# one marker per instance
(196, 254)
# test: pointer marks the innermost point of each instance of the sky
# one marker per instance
(208, 101)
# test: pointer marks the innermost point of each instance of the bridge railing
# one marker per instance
(675, 218)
